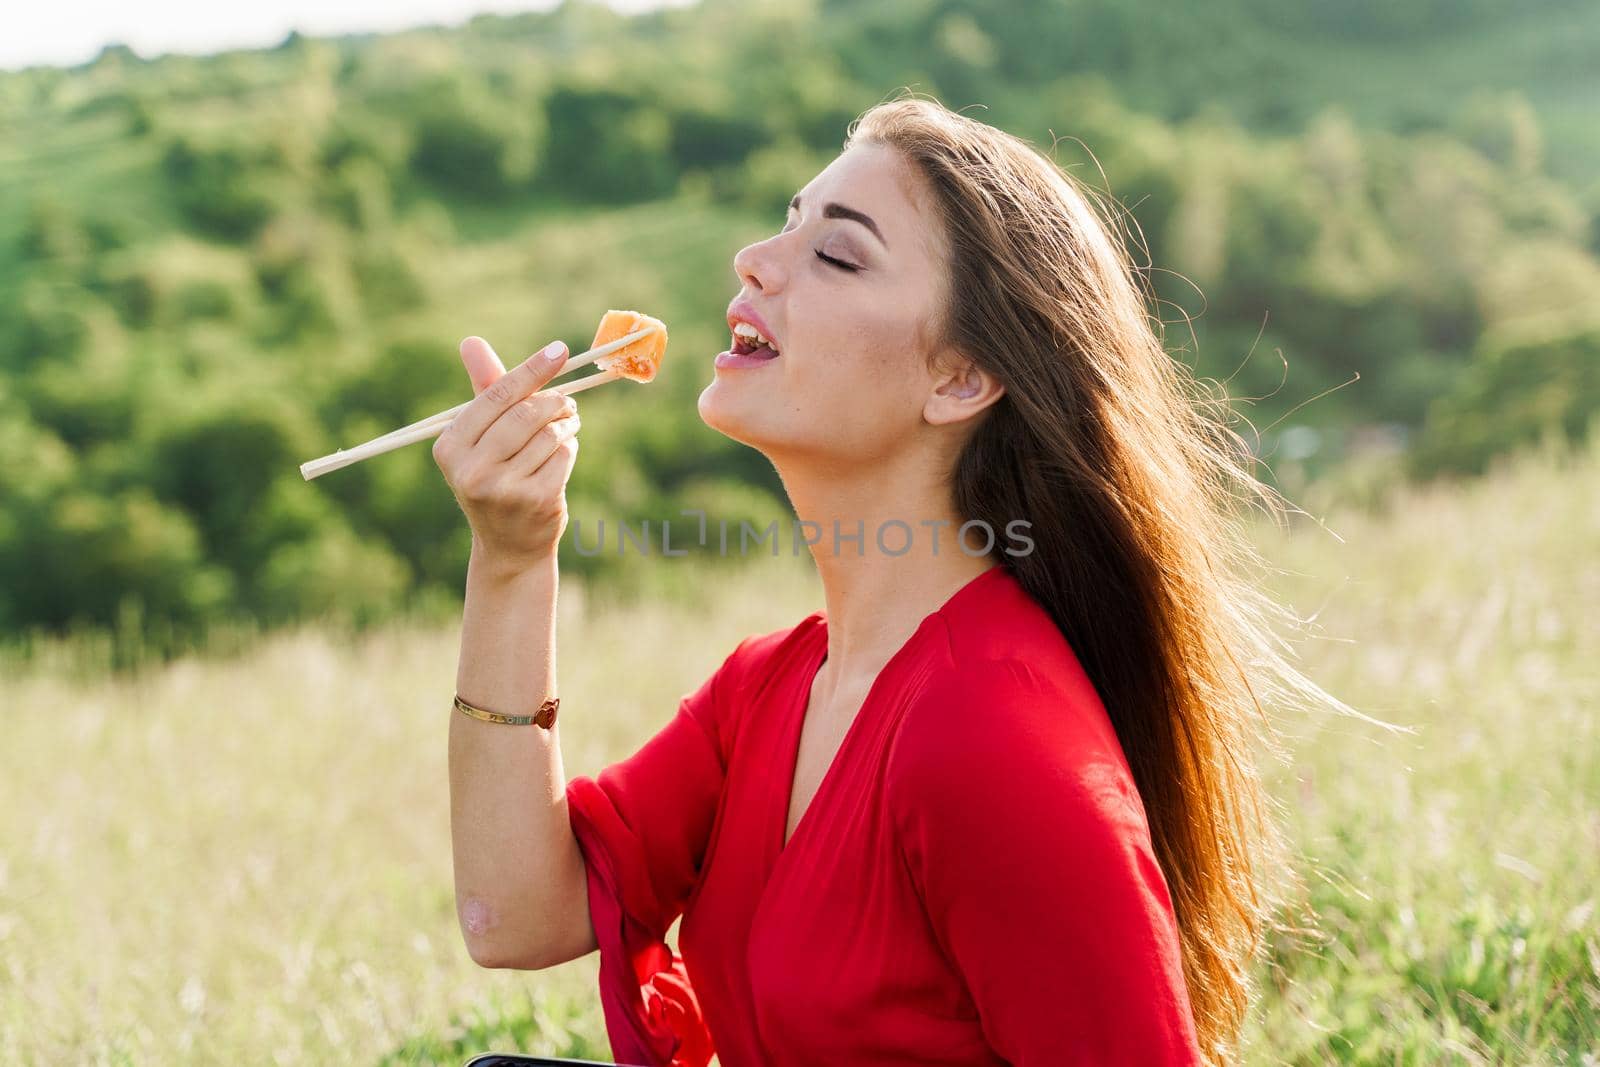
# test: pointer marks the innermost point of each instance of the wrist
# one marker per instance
(499, 568)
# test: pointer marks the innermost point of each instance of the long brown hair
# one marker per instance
(1137, 491)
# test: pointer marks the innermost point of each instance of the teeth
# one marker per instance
(744, 329)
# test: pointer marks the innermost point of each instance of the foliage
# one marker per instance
(214, 268)
(225, 189)
(607, 145)
(467, 142)
(1536, 388)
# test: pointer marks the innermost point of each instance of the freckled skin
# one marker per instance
(477, 917)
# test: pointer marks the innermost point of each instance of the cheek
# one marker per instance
(856, 348)
(875, 358)
(865, 384)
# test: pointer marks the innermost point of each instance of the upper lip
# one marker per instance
(742, 311)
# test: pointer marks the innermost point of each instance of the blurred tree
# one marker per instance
(707, 138)
(218, 464)
(53, 233)
(408, 380)
(772, 176)
(108, 232)
(466, 142)
(86, 400)
(386, 278)
(206, 299)
(962, 58)
(224, 189)
(359, 133)
(607, 145)
(303, 268)
(252, 257)
(46, 322)
(130, 287)
(411, 510)
(79, 557)
(1516, 392)
(359, 194)
(305, 548)
(1503, 127)
(334, 574)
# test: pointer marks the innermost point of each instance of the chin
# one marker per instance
(722, 409)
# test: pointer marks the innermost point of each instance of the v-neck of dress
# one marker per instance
(814, 657)
(794, 729)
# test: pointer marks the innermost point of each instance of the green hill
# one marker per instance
(213, 268)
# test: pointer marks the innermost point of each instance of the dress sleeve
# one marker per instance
(642, 825)
(1026, 838)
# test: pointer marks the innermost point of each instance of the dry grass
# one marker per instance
(247, 860)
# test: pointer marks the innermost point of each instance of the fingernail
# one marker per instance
(554, 352)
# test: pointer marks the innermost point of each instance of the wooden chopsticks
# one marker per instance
(434, 425)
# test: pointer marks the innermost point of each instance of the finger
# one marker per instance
(522, 421)
(527, 377)
(555, 472)
(483, 366)
(542, 445)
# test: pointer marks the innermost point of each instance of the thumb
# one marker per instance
(483, 366)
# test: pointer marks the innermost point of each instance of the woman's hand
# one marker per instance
(508, 456)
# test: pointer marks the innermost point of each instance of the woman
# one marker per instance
(996, 803)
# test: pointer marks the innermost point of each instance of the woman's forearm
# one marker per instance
(521, 891)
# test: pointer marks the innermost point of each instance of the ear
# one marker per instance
(961, 389)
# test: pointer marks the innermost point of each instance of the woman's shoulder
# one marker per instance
(994, 633)
(998, 646)
(757, 657)
(1005, 698)
(757, 661)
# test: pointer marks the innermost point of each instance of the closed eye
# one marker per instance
(837, 263)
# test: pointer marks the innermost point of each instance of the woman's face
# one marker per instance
(850, 381)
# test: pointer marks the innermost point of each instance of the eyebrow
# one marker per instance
(839, 211)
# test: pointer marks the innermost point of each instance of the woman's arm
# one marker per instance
(521, 896)
(520, 880)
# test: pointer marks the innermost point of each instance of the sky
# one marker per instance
(68, 32)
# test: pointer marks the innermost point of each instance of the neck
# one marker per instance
(877, 592)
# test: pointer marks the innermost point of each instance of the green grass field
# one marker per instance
(246, 859)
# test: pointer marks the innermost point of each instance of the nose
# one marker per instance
(758, 266)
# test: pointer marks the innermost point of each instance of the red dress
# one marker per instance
(972, 883)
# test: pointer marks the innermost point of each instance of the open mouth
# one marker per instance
(747, 341)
